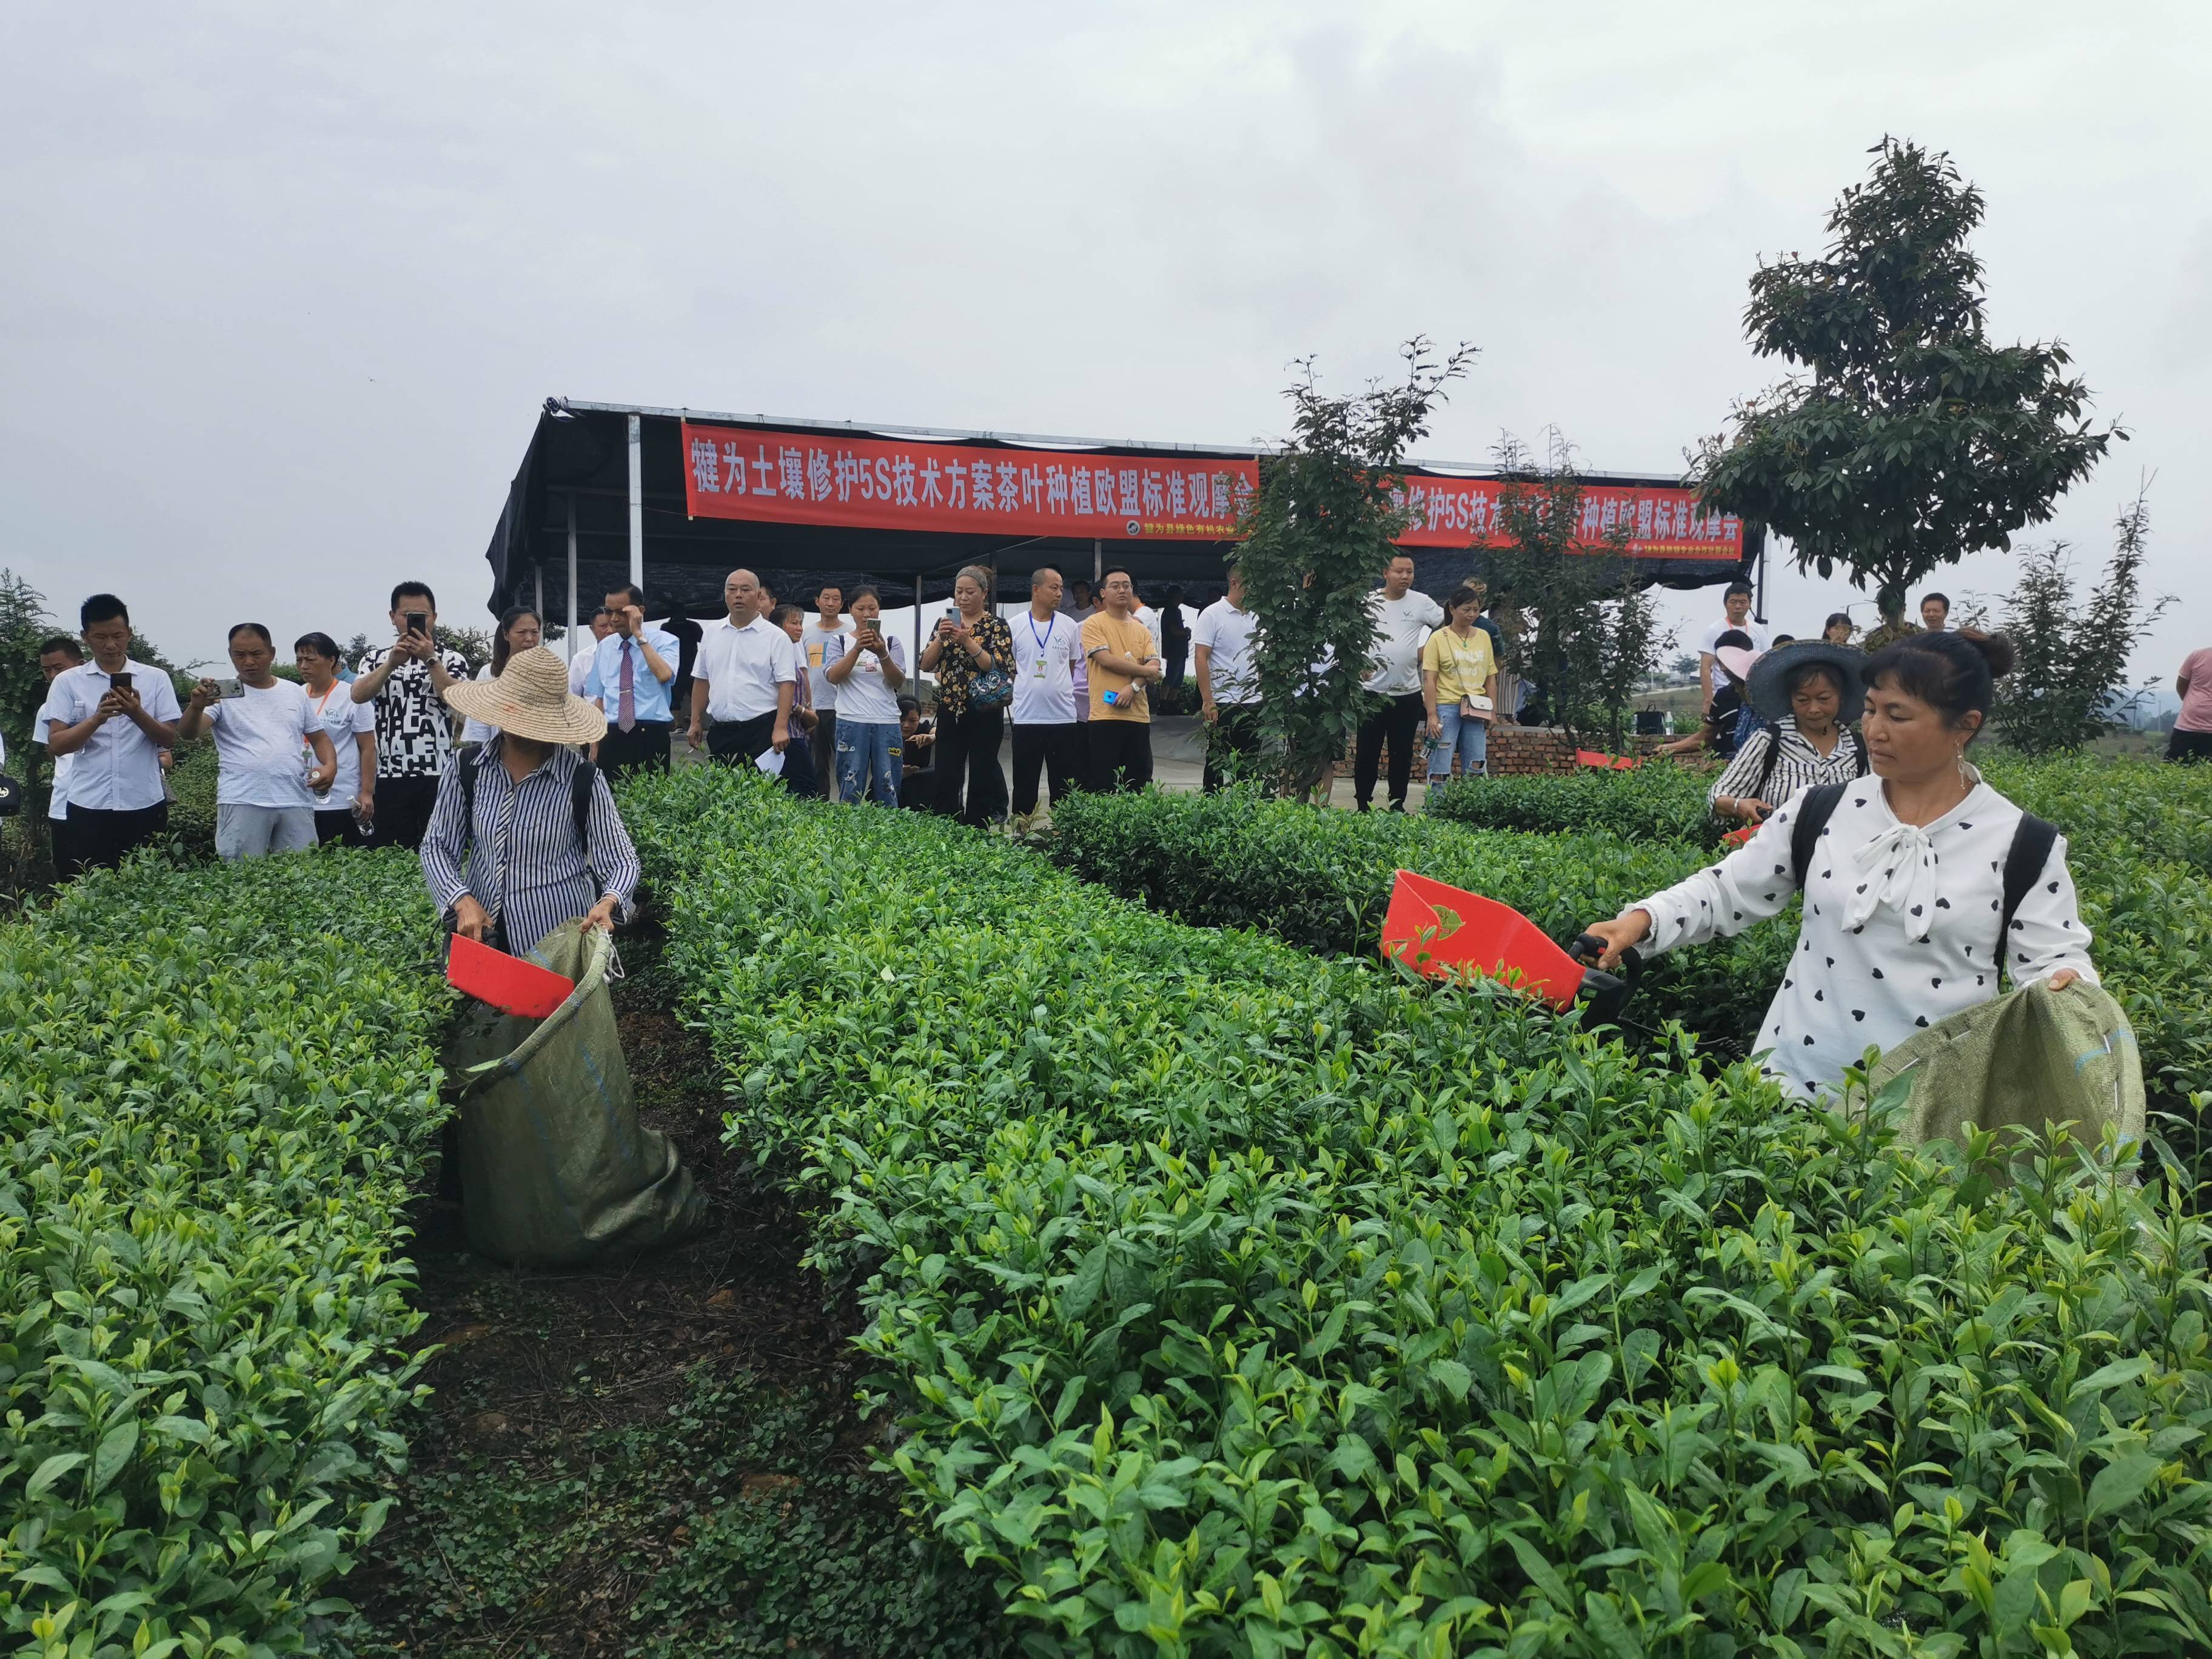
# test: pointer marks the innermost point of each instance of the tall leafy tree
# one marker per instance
(1317, 538)
(2070, 679)
(1912, 439)
(1589, 633)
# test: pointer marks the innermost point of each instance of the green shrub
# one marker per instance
(1237, 1301)
(216, 1085)
(1656, 802)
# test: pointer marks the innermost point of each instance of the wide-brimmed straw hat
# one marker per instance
(1771, 675)
(529, 699)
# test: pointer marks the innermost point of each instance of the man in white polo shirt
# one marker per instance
(264, 798)
(1048, 645)
(118, 716)
(1228, 684)
(1402, 620)
(743, 680)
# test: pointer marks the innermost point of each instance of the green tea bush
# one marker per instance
(1656, 802)
(1322, 880)
(1238, 1301)
(216, 1086)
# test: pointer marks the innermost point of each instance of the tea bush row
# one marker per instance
(216, 1085)
(1238, 1301)
(2144, 808)
(1322, 880)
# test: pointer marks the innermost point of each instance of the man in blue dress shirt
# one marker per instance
(629, 678)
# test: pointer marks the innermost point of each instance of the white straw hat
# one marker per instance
(529, 699)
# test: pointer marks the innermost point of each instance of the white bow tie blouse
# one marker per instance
(1899, 927)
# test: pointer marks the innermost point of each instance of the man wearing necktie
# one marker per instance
(631, 669)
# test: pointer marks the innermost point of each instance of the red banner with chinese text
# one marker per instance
(1661, 522)
(810, 477)
(802, 477)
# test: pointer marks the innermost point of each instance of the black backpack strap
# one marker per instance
(1766, 766)
(469, 764)
(586, 774)
(1858, 744)
(1814, 808)
(2031, 842)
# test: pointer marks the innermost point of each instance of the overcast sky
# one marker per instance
(285, 285)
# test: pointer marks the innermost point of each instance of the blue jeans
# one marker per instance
(1467, 736)
(868, 760)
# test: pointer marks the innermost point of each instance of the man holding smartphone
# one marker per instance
(407, 681)
(118, 716)
(264, 800)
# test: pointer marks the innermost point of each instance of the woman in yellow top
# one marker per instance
(1459, 685)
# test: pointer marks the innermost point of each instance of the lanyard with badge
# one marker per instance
(1051, 622)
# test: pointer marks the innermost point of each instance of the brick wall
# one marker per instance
(1523, 751)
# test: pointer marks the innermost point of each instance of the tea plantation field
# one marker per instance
(1218, 1289)
(1231, 1298)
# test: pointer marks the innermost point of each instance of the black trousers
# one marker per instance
(1397, 721)
(738, 743)
(643, 748)
(2188, 745)
(968, 755)
(1057, 751)
(1121, 755)
(335, 824)
(100, 839)
(1238, 734)
(798, 773)
(825, 739)
(403, 812)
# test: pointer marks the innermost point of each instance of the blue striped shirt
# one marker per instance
(522, 860)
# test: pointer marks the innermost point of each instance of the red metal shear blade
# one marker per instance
(508, 983)
(1491, 938)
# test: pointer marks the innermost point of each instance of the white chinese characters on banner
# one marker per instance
(803, 478)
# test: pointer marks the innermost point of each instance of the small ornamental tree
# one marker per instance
(2070, 677)
(1913, 439)
(1590, 634)
(1317, 538)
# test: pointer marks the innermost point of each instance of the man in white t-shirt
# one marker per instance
(823, 640)
(580, 665)
(743, 681)
(265, 798)
(1402, 620)
(56, 657)
(1048, 737)
(118, 716)
(1736, 602)
(1228, 681)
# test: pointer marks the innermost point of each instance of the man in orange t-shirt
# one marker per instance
(1124, 662)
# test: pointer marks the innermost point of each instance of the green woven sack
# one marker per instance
(2025, 1061)
(555, 1168)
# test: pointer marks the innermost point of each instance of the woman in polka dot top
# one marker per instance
(1905, 886)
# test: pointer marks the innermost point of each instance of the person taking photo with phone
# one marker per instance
(405, 682)
(970, 643)
(867, 675)
(118, 717)
(265, 797)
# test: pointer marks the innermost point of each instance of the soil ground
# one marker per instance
(660, 1456)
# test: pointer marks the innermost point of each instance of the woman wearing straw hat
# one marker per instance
(525, 835)
(1810, 694)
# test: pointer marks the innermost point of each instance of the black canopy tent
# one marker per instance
(601, 499)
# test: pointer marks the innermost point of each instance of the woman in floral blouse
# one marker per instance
(968, 643)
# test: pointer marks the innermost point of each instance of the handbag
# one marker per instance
(11, 796)
(991, 688)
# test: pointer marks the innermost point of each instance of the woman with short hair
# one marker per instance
(967, 644)
(519, 629)
(1810, 694)
(343, 811)
(1904, 874)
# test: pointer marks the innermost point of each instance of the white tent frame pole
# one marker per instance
(638, 500)
(572, 576)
